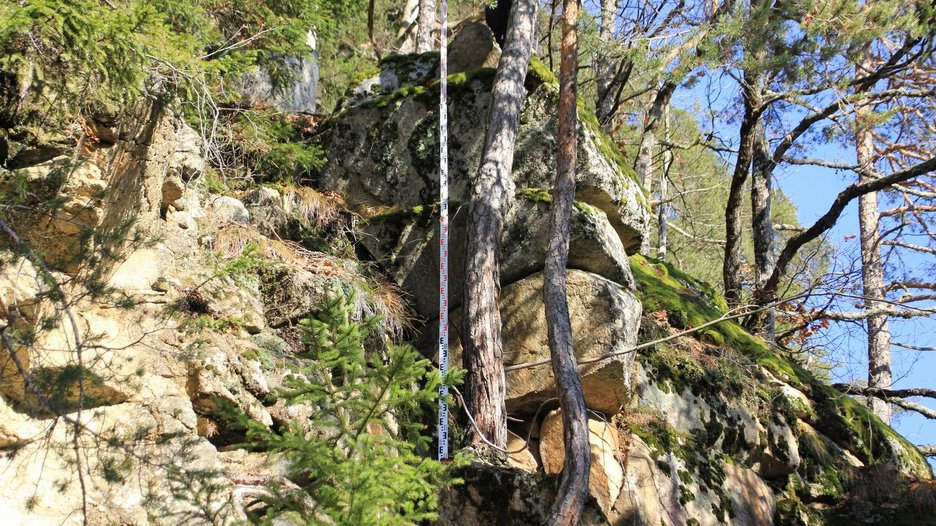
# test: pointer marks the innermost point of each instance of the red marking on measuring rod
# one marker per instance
(443, 232)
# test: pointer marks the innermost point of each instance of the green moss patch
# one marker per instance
(690, 303)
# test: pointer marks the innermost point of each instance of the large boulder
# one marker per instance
(396, 137)
(259, 88)
(407, 244)
(604, 318)
(473, 47)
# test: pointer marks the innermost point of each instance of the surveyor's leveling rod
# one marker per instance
(443, 232)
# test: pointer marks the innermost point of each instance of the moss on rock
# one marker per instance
(690, 303)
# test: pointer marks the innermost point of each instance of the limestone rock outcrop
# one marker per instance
(147, 347)
(393, 132)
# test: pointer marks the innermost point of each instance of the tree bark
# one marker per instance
(731, 269)
(644, 162)
(872, 270)
(406, 34)
(604, 64)
(425, 25)
(491, 194)
(664, 180)
(763, 323)
(573, 490)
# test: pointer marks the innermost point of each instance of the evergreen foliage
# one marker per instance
(363, 459)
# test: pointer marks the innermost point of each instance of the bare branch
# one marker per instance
(819, 162)
(913, 406)
(914, 347)
(885, 393)
(908, 208)
(691, 237)
(831, 216)
(889, 310)
(910, 246)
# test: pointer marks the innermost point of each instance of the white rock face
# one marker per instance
(300, 96)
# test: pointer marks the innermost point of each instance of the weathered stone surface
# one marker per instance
(604, 319)
(781, 456)
(398, 164)
(20, 309)
(395, 73)
(752, 500)
(20, 284)
(685, 411)
(520, 456)
(406, 243)
(172, 190)
(606, 477)
(186, 160)
(473, 47)
(258, 89)
(127, 197)
(226, 209)
(72, 195)
(502, 496)
(140, 269)
(648, 495)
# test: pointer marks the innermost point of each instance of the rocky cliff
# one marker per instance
(179, 302)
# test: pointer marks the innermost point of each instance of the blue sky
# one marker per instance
(812, 190)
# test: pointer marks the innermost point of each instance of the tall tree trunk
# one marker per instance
(643, 165)
(425, 25)
(731, 270)
(491, 194)
(872, 270)
(762, 227)
(573, 490)
(604, 64)
(664, 180)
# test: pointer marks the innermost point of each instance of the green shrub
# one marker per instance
(361, 464)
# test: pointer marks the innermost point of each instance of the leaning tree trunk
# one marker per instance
(731, 269)
(491, 194)
(872, 271)
(573, 490)
(425, 25)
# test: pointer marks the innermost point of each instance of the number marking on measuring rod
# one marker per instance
(443, 233)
